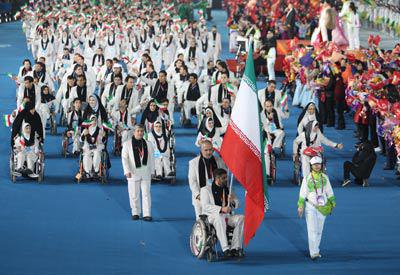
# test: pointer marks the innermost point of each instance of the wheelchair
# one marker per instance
(103, 170)
(117, 141)
(203, 239)
(172, 158)
(311, 152)
(52, 123)
(38, 169)
(271, 178)
(66, 144)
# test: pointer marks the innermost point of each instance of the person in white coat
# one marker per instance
(311, 137)
(162, 151)
(353, 27)
(93, 139)
(315, 190)
(28, 92)
(168, 50)
(110, 90)
(26, 147)
(222, 90)
(138, 164)
(216, 46)
(271, 93)
(189, 94)
(156, 53)
(217, 202)
(201, 170)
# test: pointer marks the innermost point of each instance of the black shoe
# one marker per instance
(171, 174)
(388, 168)
(397, 173)
(147, 219)
(330, 125)
(227, 254)
(340, 128)
(240, 253)
(135, 217)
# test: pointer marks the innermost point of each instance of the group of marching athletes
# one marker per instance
(125, 78)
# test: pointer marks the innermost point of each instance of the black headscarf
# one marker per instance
(150, 116)
(316, 115)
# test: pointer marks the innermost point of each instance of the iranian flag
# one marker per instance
(242, 150)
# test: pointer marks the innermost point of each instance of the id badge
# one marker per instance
(157, 153)
(28, 149)
(209, 182)
(320, 200)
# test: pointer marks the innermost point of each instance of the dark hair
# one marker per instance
(271, 81)
(27, 60)
(163, 72)
(353, 7)
(28, 78)
(70, 77)
(219, 172)
(193, 75)
(129, 77)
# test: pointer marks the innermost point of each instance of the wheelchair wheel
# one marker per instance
(62, 120)
(53, 124)
(272, 171)
(12, 168)
(103, 168)
(40, 167)
(64, 146)
(198, 239)
(297, 176)
(117, 144)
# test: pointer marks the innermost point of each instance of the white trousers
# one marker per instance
(137, 187)
(354, 37)
(267, 161)
(29, 157)
(162, 163)
(219, 223)
(187, 106)
(279, 135)
(197, 207)
(75, 141)
(271, 63)
(305, 165)
(91, 158)
(44, 112)
(315, 225)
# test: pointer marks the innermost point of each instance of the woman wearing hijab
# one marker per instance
(95, 108)
(46, 105)
(158, 137)
(27, 147)
(310, 113)
(208, 131)
(361, 165)
(149, 116)
(210, 113)
(93, 139)
(311, 137)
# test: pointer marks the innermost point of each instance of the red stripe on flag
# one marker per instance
(247, 168)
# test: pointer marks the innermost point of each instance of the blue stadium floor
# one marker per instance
(59, 227)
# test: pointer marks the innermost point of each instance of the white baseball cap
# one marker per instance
(315, 160)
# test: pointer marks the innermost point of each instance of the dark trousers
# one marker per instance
(349, 167)
(208, 11)
(373, 131)
(390, 155)
(329, 32)
(340, 107)
(330, 111)
(362, 130)
(322, 110)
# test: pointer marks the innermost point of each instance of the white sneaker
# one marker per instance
(377, 149)
(346, 182)
(365, 183)
(33, 175)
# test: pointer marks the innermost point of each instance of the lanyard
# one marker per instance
(141, 152)
(315, 185)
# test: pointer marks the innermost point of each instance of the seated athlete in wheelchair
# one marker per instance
(72, 133)
(272, 124)
(93, 160)
(217, 203)
(27, 155)
(163, 152)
